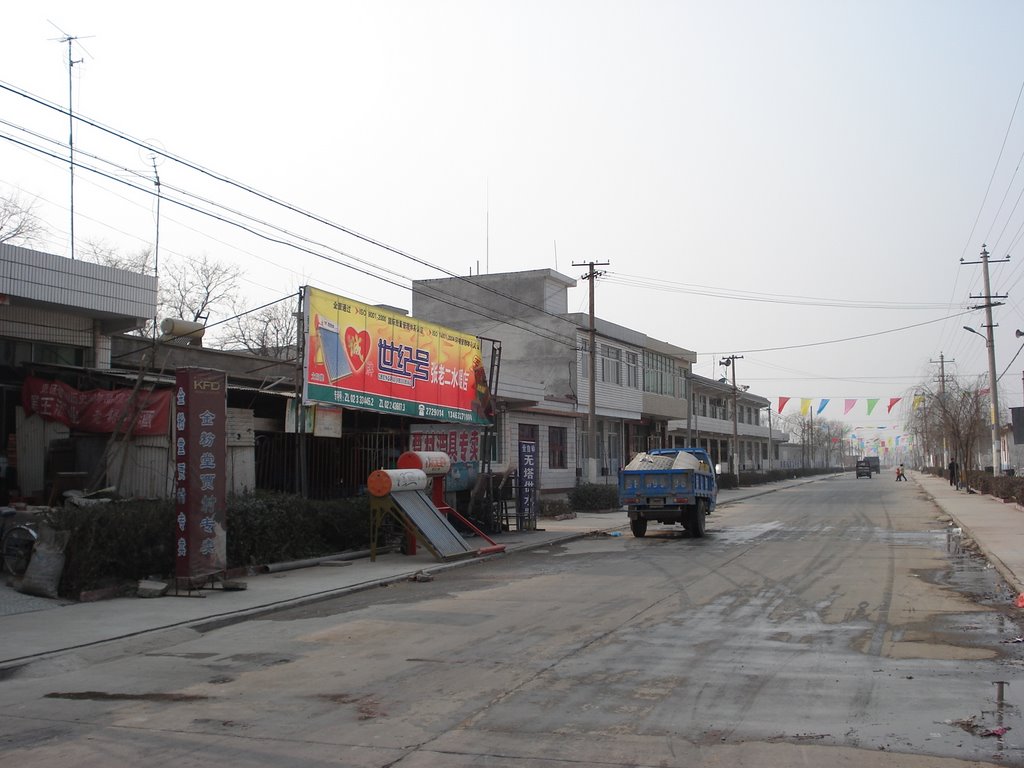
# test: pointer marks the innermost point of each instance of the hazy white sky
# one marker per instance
(837, 152)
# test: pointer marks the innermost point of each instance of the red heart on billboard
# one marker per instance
(357, 347)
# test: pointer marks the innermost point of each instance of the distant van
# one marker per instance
(874, 463)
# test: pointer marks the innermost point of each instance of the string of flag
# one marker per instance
(848, 404)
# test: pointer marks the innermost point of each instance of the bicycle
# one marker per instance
(16, 542)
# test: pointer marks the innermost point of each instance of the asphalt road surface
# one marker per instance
(840, 623)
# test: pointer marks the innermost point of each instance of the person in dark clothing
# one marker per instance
(952, 473)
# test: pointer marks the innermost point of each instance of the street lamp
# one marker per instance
(997, 462)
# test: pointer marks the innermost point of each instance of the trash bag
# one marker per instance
(47, 564)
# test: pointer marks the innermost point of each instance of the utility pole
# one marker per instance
(592, 275)
(990, 345)
(730, 362)
(769, 438)
(942, 408)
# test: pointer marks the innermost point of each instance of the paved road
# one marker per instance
(839, 623)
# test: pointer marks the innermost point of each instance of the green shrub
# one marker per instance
(553, 507)
(594, 496)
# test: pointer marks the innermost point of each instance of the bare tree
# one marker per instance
(269, 332)
(194, 289)
(960, 414)
(19, 224)
(103, 253)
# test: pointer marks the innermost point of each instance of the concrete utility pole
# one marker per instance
(592, 276)
(990, 345)
(942, 399)
(730, 362)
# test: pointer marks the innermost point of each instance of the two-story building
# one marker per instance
(724, 417)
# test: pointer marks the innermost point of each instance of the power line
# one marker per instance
(262, 195)
(856, 338)
(728, 293)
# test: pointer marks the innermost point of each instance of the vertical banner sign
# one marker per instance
(200, 480)
(529, 478)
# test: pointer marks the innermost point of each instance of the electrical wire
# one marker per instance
(261, 195)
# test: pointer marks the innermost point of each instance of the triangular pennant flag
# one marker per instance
(782, 403)
(918, 401)
(822, 404)
(892, 402)
(849, 405)
(872, 402)
(805, 405)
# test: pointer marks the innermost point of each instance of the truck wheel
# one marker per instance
(638, 527)
(697, 520)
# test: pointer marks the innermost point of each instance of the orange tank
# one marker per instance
(381, 482)
(434, 463)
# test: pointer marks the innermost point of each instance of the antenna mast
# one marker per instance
(69, 39)
(71, 136)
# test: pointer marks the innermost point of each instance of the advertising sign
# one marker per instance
(365, 357)
(98, 410)
(200, 472)
(459, 442)
(529, 479)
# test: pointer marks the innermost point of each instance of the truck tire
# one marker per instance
(696, 520)
(638, 526)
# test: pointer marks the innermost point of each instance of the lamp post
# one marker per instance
(997, 463)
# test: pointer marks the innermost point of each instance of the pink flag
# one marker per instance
(782, 403)
(849, 406)
(892, 402)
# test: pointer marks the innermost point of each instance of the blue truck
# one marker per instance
(669, 485)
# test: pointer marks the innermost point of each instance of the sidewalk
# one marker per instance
(35, 629)
(996, 527)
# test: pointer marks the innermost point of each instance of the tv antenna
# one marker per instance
(70, 40)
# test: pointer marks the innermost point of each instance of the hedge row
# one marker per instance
(1002, 487)
(124, 541)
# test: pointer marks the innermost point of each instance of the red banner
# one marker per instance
(98, 410)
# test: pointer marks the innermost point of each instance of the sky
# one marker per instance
(795, 182)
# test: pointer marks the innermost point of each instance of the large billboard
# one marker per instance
(366, 357)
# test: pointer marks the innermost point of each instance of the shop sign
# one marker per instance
(200, 472)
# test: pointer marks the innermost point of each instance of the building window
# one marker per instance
(632, 370)
(611, 368)
(557, 437)
(660, 374)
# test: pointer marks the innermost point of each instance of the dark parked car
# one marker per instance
(863, 469)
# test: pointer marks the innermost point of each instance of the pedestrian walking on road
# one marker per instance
(900, 474)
